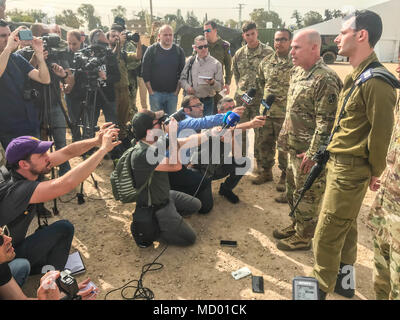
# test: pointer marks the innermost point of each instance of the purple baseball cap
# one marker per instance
(21, 147)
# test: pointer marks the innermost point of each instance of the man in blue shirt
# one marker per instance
(19, 117)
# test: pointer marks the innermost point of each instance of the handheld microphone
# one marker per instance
(230, 120)
(247, 97)
(267, 103)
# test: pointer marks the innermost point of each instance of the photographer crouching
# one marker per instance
(118, 38)
(21, 192)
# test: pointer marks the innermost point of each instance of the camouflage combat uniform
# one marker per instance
(132, 65)
(244, 65)
(2, 156)
(272, 78)
(311, 108)
(384, 218)
(221, 50)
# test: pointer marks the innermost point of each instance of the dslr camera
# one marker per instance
(178, 116)
(68, 284)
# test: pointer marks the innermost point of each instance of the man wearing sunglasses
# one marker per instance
(220, 50)
(202, 76)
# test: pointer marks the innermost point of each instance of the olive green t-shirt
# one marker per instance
(142, 168)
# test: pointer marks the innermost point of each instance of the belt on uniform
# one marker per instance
(347, 159)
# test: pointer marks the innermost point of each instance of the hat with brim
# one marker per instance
(143, 121)
(21, 147)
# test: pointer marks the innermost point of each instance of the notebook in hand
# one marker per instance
(75, 263)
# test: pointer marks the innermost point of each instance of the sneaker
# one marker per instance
(285, 232)
(340, 281)
(281, 186)
(281, 198)
(263, 177)
(295, 242)
(228, 194)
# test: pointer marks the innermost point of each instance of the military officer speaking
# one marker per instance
(357, 154)
(311, 107)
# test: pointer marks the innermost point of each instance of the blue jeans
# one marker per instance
(48, 246)
(20, 269)
(166, 101)
(208, 105)
(59, 127)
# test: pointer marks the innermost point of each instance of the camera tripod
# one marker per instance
(87, 119)
(46, 124)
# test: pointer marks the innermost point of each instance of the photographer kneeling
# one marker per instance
(9, 288)
(169, 206)
(20, 192)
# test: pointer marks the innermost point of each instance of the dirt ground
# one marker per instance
(202, 271)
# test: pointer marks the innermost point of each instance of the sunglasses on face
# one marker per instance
(207, 30)
(4, 232)
(202, 47)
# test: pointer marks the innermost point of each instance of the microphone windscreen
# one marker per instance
(270, 99)
(251, 93)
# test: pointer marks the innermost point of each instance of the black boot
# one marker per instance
(343, 278)
(223, 191)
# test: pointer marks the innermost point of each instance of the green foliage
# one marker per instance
(232, 24)
(311, 18)
(119, 11)
(299, 20)
(86, 11)
(261, 17)
(17, 15)
(70, 19)
(192, 20)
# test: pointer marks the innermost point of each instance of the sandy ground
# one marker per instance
(202, 271)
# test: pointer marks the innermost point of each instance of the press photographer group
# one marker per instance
(75, 95)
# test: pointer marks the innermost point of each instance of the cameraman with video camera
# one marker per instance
(53, 118)
(18, 114)
(117, 39)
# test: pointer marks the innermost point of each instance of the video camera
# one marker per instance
(68, 284)
(130, 36)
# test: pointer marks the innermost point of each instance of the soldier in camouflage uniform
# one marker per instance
(132, 67)
(311, 108)
(244, 65)
(273, 78)
(220, 50)
(384, 218)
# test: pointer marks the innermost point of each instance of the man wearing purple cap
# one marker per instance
(28, 158)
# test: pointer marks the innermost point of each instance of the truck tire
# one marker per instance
(329, 57)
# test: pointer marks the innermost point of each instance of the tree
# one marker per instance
(17, 15)
(119, 11)
(221, 23)
(192, 20)
(142, 14)
(170, 18)
(86, 11)
(311, 18)
(231, 24)
(70, 19)
(261, 17)
(330, 14)
(299, 20)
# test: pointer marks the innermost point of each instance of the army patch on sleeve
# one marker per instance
(332, 98)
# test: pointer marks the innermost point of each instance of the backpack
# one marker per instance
(122, 182)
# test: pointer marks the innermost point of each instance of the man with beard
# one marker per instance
(20, 192)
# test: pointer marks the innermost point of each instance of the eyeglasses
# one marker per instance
(4, 232)
(199, 105)
(207, 30)
(202, 47)
(281, 39)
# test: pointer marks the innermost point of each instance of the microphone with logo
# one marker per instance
(248, 96)
(230, 120)
(267, 103)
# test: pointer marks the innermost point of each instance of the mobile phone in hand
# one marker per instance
(25, 35)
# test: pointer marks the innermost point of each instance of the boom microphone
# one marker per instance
(267, 103)
(247, 97)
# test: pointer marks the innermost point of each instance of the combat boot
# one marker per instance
(281, 198)
(295, 242)
(345, 281)
(285, 232)
(281, 186)
(263, 177)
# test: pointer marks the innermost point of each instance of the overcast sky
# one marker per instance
(222, 10)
